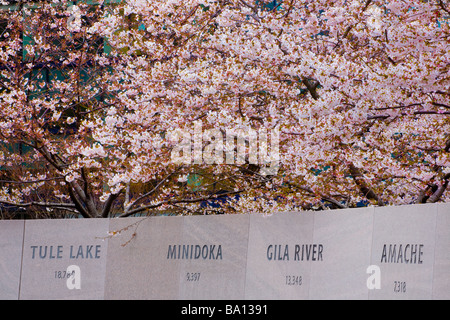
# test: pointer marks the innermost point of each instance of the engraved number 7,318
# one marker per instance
(399, 286)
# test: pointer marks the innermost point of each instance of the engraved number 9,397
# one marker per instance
(193, 276)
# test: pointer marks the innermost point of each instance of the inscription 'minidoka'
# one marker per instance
(191, 251)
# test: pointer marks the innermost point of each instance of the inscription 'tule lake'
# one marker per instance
(73, 252)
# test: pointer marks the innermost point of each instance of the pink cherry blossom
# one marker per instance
(358, 89)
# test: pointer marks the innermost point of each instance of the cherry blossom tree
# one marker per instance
(359, 91)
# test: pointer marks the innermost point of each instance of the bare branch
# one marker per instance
(365, 189)
(311, 85)
(38, 204)
(108, 204)
(152, 191)
(443, 7)
(172, 202)
(31, 182)
(77, 202)
(324, 198)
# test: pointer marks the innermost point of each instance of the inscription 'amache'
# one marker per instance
(402, 253)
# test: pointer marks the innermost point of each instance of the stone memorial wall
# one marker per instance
(64, 259)
(365, 253)
(11, 240)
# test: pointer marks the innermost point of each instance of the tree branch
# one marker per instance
(363, 187)
(324, 198)
(440, 190)
(171, 202)
(38, 204)
(433, 193)
(108, 204)
(86, 195)
(31, 182)
(77, 202)
(442, 5)
(128, 207)
(311, 85)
